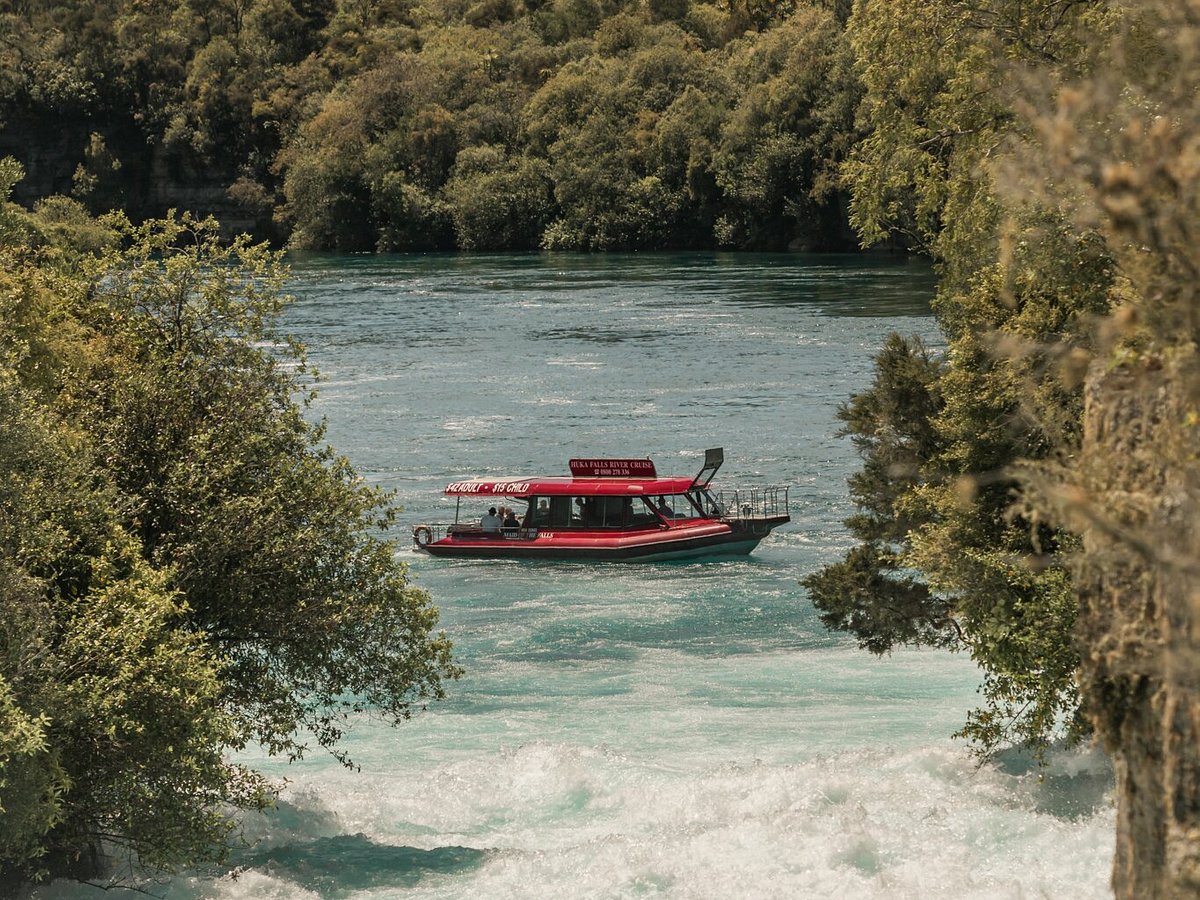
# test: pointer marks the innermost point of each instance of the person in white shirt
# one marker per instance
(489, 521)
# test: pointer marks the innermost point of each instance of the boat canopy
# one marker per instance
(591, 477)
(570, 487)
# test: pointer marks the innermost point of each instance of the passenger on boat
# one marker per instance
(489, 521)
(511, 520)
(664, 508)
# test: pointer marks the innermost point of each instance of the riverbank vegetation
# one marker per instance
(939, 435)
(1030, 496)
(185, 567)
(403, 125)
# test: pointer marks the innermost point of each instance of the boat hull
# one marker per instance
(701, 541)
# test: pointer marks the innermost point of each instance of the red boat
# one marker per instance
(608, 509)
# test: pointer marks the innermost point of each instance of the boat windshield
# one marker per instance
(696, 503)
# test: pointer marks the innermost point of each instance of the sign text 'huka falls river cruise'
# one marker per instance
(608, 509)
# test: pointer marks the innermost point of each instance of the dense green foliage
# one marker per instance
(1085, 199)
(945, 539)
(1117, 150)
(416, 124)
(185, 567)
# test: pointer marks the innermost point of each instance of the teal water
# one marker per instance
(673, 730)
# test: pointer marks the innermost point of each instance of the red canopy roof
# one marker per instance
(570, 487)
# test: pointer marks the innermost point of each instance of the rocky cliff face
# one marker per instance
(1138, 583)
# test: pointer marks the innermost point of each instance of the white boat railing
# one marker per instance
(752, 504)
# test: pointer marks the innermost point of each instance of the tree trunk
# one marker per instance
(1138, 583)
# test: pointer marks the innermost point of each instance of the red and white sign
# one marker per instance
(612, 468)
(514, 488)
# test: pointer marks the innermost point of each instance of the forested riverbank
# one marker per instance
(395, 125)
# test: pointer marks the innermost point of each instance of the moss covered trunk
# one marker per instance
(1139, 588)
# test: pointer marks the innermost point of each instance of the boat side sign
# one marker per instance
(487, 487)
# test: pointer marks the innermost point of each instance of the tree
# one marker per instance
(268, 533)
(499, 203)
(869, 593)
(779, 151)
(1115, 149)
(992, 573)
(597, 122)
(185, 567)
(324, 181)
(112, 733)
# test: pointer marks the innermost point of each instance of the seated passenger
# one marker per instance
(511, 520)
(489, 521)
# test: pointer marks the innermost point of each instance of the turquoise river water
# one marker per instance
(658, 730)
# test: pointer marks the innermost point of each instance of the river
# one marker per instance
(670, 730)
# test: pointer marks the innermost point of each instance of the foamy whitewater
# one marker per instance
(670, 730)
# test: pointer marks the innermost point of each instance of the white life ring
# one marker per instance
(422, 535)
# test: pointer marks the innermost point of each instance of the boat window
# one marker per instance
(582, 512)
(613, 512)
(672, 506)
(603, 512)
(644, 513)
(616, 512)
(704, 503)
(560, 512)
